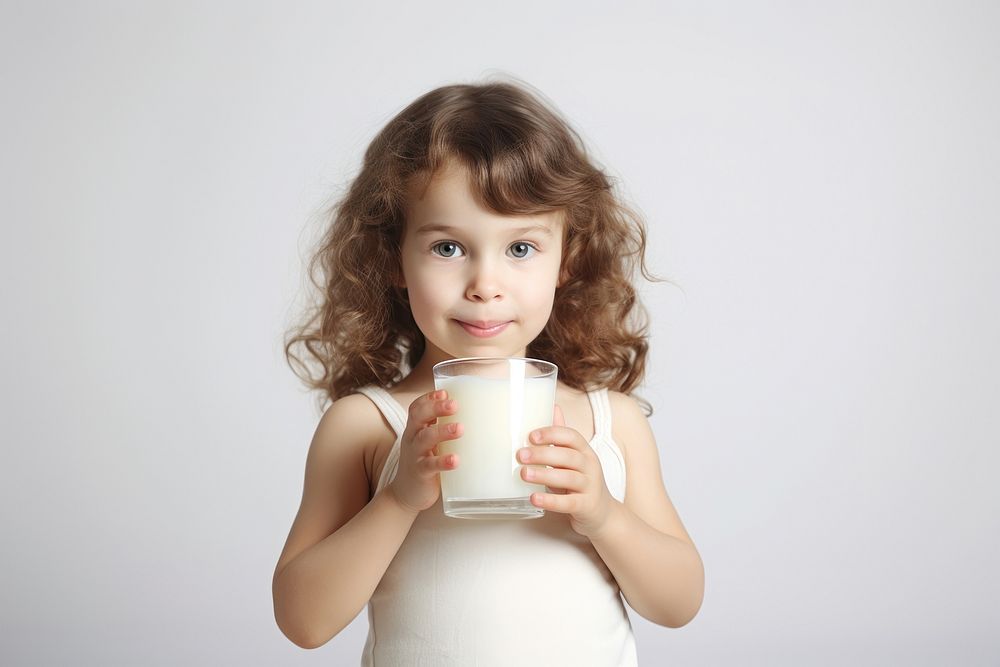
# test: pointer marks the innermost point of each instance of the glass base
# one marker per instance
(491, 508)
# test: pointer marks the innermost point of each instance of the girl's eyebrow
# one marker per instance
(432, 227)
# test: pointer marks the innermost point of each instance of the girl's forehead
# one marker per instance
(447, 197)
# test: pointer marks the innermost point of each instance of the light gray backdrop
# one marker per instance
(820, 180)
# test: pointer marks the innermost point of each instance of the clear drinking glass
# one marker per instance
(500, 400)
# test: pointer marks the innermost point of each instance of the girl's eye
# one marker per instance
(447, 248)
(521, 249)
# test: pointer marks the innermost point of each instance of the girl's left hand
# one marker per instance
(575, 480)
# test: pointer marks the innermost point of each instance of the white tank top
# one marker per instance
(526, 592)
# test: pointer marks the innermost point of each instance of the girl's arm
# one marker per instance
(642, 541)
(341, 544)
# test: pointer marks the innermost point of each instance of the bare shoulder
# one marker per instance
(336, 484)
(352, 420)
(349, 432)
(645, 493)
(629, 421)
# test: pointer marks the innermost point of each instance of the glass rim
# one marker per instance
(552, 368)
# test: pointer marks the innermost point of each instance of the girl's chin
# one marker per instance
(458, 349)
(465, 351)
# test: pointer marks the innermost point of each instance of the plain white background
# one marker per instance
(820, 182)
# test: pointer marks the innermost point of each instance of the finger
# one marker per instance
(421, 412)
(435, 464)
(556, 456)
(559, 435)
(426, 409)
(430, 436)
(564, 503)
(556, 478)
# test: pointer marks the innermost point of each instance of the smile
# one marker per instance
(484, 331)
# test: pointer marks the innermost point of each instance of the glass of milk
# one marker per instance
(500, 401)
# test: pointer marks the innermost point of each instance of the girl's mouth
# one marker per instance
(483, 331)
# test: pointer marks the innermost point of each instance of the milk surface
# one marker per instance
(496, 414)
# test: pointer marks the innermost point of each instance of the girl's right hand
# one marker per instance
(417, 483)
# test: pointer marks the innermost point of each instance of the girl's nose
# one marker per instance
(483, 284)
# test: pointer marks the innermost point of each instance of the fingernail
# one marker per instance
(524, 454)
(536, 436)
(452, 428)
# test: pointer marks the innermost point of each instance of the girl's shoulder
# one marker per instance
(629, 424)
(627, 418)
(355, 416)
(354, 423)
(353, 412)
(625, 406)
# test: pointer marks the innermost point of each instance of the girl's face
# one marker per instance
(479, 284)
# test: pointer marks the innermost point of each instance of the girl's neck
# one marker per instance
(421, 379)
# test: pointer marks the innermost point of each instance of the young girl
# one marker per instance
(478, 226)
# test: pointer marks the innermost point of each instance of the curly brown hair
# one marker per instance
(523, 159)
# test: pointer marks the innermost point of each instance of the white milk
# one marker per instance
(497, 415)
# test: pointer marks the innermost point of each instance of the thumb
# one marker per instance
(557, 417)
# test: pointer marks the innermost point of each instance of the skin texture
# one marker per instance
(484, 267)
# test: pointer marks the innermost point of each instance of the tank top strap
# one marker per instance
(388, 406)
(396, 416)
(601, 407)
(612, 458)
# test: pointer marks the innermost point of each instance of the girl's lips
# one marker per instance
(481, 332)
